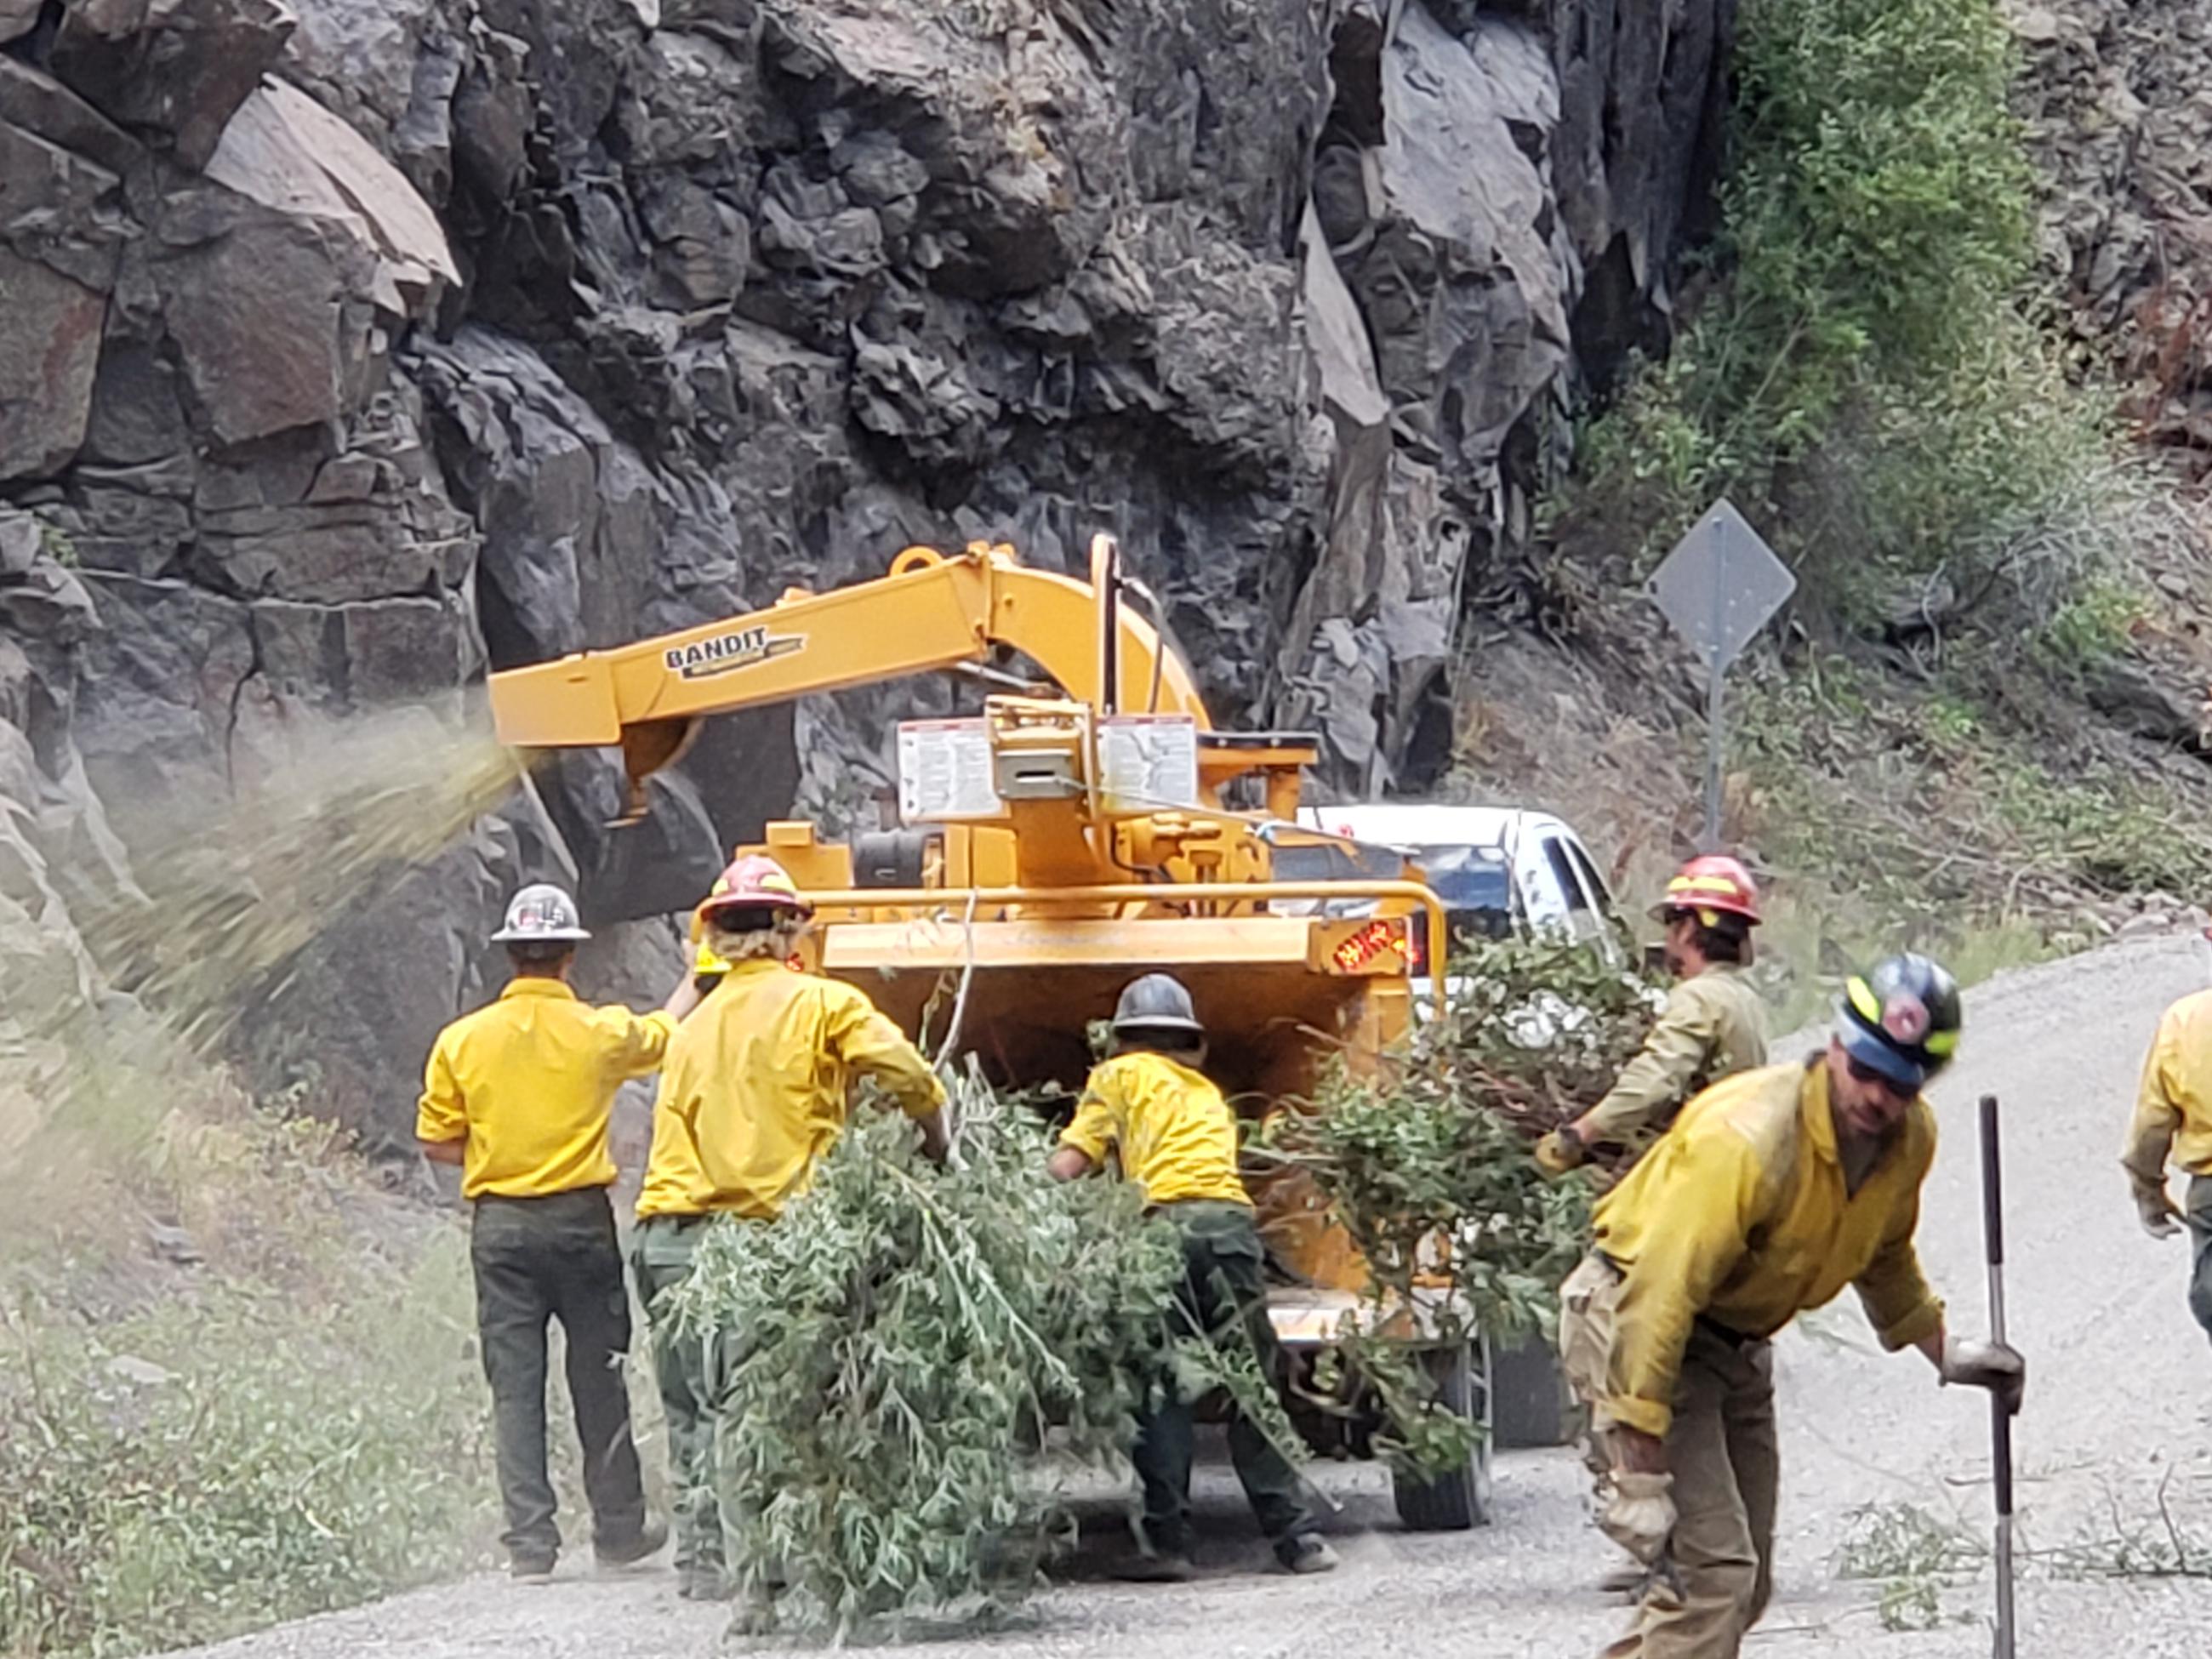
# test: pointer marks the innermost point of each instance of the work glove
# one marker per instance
(2161, 1219)
(1639, 1517)
(1992, 1365)
(1561, 1150)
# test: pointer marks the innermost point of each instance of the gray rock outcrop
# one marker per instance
(2115, 108)
(352, 346)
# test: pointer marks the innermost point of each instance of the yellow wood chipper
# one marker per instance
(1091, 829)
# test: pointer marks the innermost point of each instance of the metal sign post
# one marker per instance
(2000, 1420)
(1711, 839)
(1718, 587)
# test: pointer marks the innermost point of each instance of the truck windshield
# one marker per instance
(1474, 883)
(1476, 887)
(1341, 860)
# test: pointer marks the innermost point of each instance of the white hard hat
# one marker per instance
(543, 912)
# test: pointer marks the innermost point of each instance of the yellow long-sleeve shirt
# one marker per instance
(529, 1082)
(1739, 1215)
(758, 1087)
(1176, 1133)
(2174, 1107)
(1712, 1027)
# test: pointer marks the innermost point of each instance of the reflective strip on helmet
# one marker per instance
(1863, 1001)
(1727, 885)
(1942, 1043)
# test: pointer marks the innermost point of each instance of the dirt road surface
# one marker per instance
(2115, 1431)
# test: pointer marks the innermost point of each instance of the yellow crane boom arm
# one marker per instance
(930, 612)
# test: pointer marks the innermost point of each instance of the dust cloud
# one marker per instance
(216, 907)
(199, 929)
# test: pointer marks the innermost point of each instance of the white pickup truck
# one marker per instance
(1499, 870)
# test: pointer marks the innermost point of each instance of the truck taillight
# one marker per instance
(1359, 952)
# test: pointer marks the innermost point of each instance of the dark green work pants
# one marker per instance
(2199, 1216)
(661, 1254)
(537, 1259)
(1224, 1298)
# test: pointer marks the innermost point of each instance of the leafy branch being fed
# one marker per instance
(912, 1360)
(1423, 1159)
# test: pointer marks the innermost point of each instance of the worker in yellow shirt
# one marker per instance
(520, 1095)
(1712, 1026)
(2173, 1122)
(1772, 1191)
(755, 1089)
(1177, 1138)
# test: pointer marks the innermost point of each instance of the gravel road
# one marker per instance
(2119, 1398)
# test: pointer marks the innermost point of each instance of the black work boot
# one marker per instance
(641, 1545)
(1150, 1566)
(531, 1567)
(1307, 1552)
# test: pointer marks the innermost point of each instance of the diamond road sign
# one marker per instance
(1720, 585)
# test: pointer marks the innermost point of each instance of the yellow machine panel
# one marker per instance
(1048, 872)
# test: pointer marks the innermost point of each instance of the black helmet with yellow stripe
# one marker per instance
(1901, 1019)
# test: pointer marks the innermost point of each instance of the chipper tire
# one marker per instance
(1461, 1499)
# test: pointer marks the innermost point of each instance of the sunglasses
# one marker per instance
(1862, 1073)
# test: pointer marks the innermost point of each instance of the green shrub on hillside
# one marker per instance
(1863, 373)
(1880, 200)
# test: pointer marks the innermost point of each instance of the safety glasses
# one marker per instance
(1862, 1073)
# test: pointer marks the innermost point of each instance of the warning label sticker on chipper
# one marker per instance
(1146, 762)
(945, 771)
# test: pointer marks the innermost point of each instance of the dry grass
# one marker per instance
(235, 1381)
(1976, 814)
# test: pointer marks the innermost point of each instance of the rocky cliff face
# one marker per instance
(2115, 103)
(351, 346)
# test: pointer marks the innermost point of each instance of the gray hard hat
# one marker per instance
(541, 914)
(1157, 1002)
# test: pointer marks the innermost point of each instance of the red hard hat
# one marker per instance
(755, 882)
(1712, 886)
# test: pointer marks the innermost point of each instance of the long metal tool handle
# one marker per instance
(2000, 1420)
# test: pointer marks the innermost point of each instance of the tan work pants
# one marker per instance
(1722, 1450)
(1586, 1316)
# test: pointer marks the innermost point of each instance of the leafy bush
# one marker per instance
(1880, 195)
(2093, 625)
(898, 1347)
